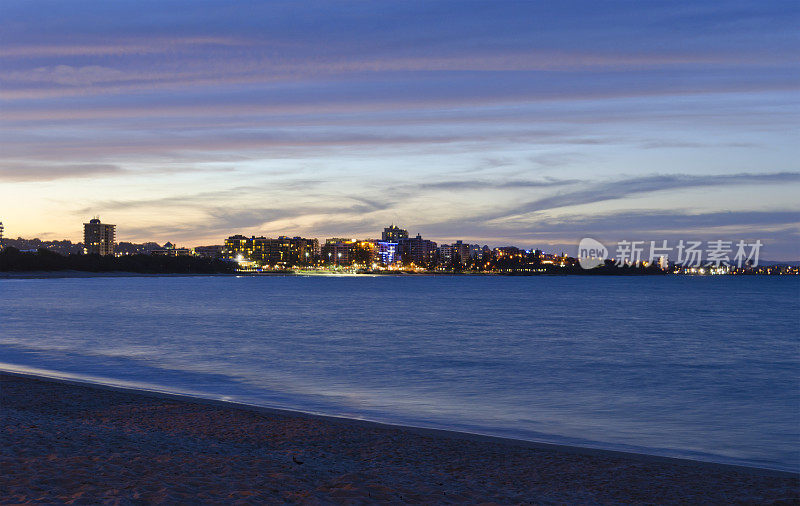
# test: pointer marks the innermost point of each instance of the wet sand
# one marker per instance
(65, 442)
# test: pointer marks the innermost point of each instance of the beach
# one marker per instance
(64, 442)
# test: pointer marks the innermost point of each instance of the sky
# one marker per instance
(527, 123)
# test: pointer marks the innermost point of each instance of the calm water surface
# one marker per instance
(704, 368)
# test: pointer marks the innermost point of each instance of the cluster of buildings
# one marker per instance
(394, 249)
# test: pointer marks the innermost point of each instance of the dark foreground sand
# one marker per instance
(61, 442)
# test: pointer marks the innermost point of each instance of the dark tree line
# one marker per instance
(13, 260)
(608, 268)
(611, 268)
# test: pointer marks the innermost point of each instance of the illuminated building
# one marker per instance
(394, 234)
(507, 251)
(1, 235)
(446, 253)
(281, 252)
(475, 251)
(388, 253)
(417, 250)
(237, 245)
(338, 251)
(365, 253)
(296, 251)
(461, 251)
(99, 238)
(342, 240)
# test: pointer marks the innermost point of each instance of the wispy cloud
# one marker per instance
(219, 222)
(621, 188)
(779, 230)
(32, 172)
(116, 47)
(67, 75)
(640, 223)
(478, 184)
(203, 200)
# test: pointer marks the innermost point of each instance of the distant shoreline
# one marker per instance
(332, 274)
(47, 264)
(111, 274)
(129, 274)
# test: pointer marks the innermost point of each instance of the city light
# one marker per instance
(408, 254)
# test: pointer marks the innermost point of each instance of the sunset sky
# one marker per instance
(526, 123)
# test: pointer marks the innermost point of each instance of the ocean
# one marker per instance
(706, 368)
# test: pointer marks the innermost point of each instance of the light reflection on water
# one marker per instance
(696, 367)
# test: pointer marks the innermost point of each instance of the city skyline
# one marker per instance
(396, 246)
(518, 123)
(399, 251)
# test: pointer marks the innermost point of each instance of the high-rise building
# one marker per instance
(99, 238)
(393, 234)
(445, 253)
(1, 235)
(417, 250)
(461, 251)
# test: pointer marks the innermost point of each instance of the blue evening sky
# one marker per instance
(526, 123)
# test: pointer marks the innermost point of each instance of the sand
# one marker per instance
(68, 443)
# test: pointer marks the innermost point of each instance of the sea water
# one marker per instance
(697, 367)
